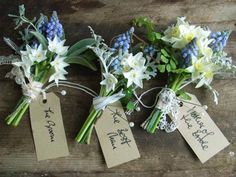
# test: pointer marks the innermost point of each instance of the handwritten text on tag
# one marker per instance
(115, 136)
(198, 129)
(47, 127)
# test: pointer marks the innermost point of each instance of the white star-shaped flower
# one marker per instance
(38, 54)
(135, 76)
(110, 82)
(57, 46)
(58, 75)
(25, 64)
(58, 63)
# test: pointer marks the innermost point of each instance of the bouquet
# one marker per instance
(188, 54)
(43, 58)
(121, 71)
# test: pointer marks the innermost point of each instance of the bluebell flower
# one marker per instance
(54, 27)
(123, 41)
(189, 51)
(220, 39)
(149, 50)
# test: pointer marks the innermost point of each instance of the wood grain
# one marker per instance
(165, 155)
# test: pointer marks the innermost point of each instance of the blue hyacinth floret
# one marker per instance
(188, 52)
(149, 50)
(123, 41)
(54, 27)
(219, 40)
(51, 28)
(116, 64)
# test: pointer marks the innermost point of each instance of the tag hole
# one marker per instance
(45, 101)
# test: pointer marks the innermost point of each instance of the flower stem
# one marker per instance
(150, 125)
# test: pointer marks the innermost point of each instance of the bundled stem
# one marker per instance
(150, 125)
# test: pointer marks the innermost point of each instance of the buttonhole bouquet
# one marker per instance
(188, 54)
(42, 57)
(121, 73)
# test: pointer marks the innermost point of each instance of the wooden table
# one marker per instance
(162, 154)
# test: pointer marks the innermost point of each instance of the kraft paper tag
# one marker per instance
(115, 136)
(47, 127)
(199, 130)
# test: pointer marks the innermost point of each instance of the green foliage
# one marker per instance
(85, 59)
(152, 35)
(80, 46)
(183, 95)
(42, 40)
(130, 106)
(167, 61)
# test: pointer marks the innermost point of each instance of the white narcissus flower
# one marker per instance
(59, 64)
(204, 49)
(206, 79)
(202, 70)
(38, 54)
(57, 46)
(58, 75)
(27, 52)
(25, 64)
(182, 33)
(110, 81)
(137, 61)
(135, 76)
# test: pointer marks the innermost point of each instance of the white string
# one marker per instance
(73, 85)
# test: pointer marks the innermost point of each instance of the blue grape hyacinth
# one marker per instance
(116, 64)
(189, 51)
(123, 41)
(149, 50)
(220, 39)
(54, 27)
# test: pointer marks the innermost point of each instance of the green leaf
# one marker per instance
(161, 68)
(158, 36)
(172, 64)
(80, 46)
(181, 70)
(42, 40)
(183, 95)
(164, 59)
(168, 67)
(164, 52)
(151, 36)
(130, 106)
(85, 60)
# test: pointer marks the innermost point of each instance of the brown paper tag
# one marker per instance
(47, 127)
(115, 136)
(199, 130)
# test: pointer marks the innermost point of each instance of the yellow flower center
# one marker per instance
(189, 37)
(209, 74)
(126, 68)
(198, 66)
(175, 31)
(39, 55)
(133, 75)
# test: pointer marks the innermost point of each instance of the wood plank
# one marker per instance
(163, 154)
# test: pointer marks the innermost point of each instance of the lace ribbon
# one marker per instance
(168, 104)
